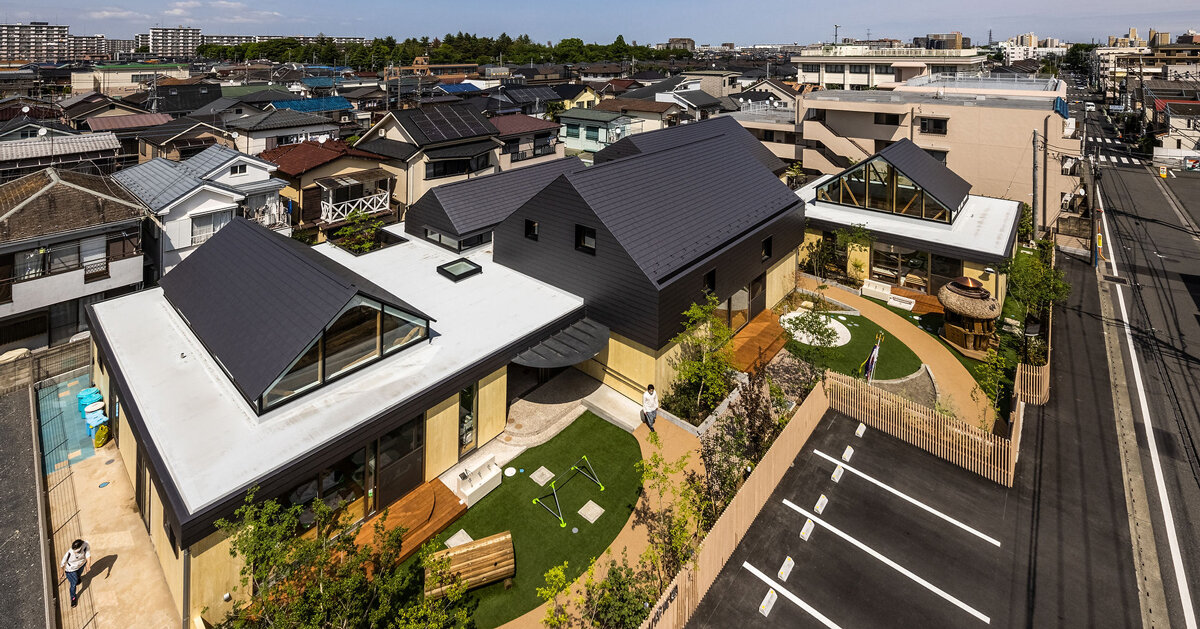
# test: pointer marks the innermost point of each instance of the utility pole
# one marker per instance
(1035, 184)
(835, 33)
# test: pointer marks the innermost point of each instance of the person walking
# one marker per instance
(650, 406)
(73, 563)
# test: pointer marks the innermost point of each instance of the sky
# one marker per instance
(644, 21)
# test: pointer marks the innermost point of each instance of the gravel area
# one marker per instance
(22, 600)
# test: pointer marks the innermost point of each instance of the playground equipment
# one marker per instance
(588, 473)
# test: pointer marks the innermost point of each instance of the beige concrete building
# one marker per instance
(124, 79)
(982, 128)
(863, 67)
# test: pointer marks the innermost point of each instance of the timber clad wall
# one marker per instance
(493, 405)
(441, 437)
(616, 291)
(214, 572)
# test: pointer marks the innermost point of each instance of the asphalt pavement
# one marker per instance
(22, 600)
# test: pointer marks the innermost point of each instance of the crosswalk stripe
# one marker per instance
(1104, 158)
(1135, 161)
(1124, 161)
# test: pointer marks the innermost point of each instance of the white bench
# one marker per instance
(877, 289)
(476, 482)
(903, 303)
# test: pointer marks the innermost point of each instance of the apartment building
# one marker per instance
(227, 40)
(86, 48)
(124, 79)
(141, 40)
(1114, 68)
(982, 128)
(862, 67)
(176, 41)
(33, 41)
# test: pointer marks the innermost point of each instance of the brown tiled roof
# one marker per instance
(294, 159)
(622, 105)
(52, 201)
(624, 84)
(131, 121)
(515, 124)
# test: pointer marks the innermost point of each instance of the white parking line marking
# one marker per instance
(791, 597)
(1124, 161)
(991, 540)
(1172, 173)
(893, 565)
(1185, 596)
(1135, 161)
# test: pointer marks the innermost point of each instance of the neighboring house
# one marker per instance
(677, 136)
(782, 92)
(264, 131)
(327, 181)
(456, 89)
(124, 79)
(461, 215)
(413, 379)
(542, 74)
(24, 127)
(651, 91)
(648, 77)
(127, 128)
(652, 114)
(180, 96)
(526, 140)
(179, 139)
(94, 153)
(369, 99)
(926, 227)
(79, 109)
(195, 198)
(695, 103)
(1179, 138)
(67, 240)
(715, 83)
(576, 95)
(522, 99)
(224, 110)
(258, 95)
(642, 238)
(601, 71)
(336, 109)
(590, 130)
(433, 146)
(37, 108)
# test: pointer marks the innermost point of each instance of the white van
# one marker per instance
(1089, 106)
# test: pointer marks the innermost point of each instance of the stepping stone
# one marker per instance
(591, 512)
(541, 476)
(458, 539)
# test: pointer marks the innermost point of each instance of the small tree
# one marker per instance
(621, 600)
(796, 176)
(555, 595)
(990, 374)
(1025, 226)
(554, 108)
(1035, 283)
(360, 231)
(812, 338)
(669, 512)
(704, 365)
(818, 253)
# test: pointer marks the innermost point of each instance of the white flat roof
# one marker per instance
(985, 225)
(209, 437)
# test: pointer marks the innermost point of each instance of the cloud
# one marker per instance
(115, 13)
(183, 9)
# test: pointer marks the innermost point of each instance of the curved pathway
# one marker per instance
(955, 385)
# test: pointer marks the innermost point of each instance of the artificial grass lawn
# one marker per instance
(538, 540)
(896, 360)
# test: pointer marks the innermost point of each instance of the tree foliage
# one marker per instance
(360, 232)
(704, 365)
(326, 578)
(1034, 282)
(450, 48)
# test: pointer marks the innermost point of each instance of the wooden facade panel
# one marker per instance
(781, 278)
(493, 404)
(168, 556)
(214, 572)
(441, 437)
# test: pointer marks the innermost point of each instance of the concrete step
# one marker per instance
(615, 408)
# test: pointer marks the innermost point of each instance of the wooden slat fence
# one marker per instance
(681, 598)
(969, 447)
(1032, 382)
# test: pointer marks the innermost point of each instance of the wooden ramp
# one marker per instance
(424, 512)
(763, 333)
(925, 303)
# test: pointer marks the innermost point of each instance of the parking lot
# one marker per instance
(903, 540)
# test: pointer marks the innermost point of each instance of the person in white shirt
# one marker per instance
(73, 563)
(650, 406)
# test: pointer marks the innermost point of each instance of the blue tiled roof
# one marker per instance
(458, 88)
(328, 103)
(317, 81)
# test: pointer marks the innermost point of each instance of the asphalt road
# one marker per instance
(1156, 247)
(22, 604)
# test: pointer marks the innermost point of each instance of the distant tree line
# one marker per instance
(457, 48)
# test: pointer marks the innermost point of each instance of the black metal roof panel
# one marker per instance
(572, 345)
(444, 123)
(462, 151)
(927, 172)
(685, 134)
(671, 208)
(469, 206)
(394, 149)
(256, 299)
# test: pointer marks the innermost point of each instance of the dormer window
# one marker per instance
(237, 169)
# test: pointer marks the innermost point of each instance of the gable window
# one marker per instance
(531, 229)
(710, 281)
(352, 338)
(876, 185)
(766, 248)
(585, 239)
(936, 126)
(238, 111)
(572, 130)
(887, 119)
(237, 169)
(593, 133)
(205, 225)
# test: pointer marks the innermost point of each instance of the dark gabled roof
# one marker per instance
(465, 207)
(394, 149)
(264, 96)
(649, 91)
(648, 75)
(363, 92)
(623, 105)
(210, 159)
(527, 94)
(698, 98)
(672, 208)
(180, 127)
(443, 123)
(685, 134)
(933, 176)
(591, 115)
(461, 151)
(25, 120)
(217, 106)
(277, 119)
(568, 90)
(51, 201)
(256, 299)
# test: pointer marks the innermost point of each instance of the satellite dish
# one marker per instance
(25, 109)
(235, 135)
(321, 140)
(41, 131)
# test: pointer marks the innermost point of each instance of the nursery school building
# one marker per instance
(317, 373)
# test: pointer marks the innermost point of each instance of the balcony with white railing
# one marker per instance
(334, 211)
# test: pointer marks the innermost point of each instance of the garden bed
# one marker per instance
(896, 360)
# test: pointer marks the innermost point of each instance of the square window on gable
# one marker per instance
(237, 169)
(585, 239)
(710, 281)
(531, 229)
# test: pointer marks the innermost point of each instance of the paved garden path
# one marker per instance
(955, 384)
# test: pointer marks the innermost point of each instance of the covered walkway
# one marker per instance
(956, 387)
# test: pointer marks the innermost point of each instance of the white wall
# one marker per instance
(255, 173)
(52, 289)
(256, 142)
(177, 223)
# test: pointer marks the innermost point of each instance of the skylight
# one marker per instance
(460, 269)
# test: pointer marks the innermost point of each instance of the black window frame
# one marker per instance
(582, 232)
(891, 120)
(928, 125)
(531, 229)
(473, 269)
(710, 281)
